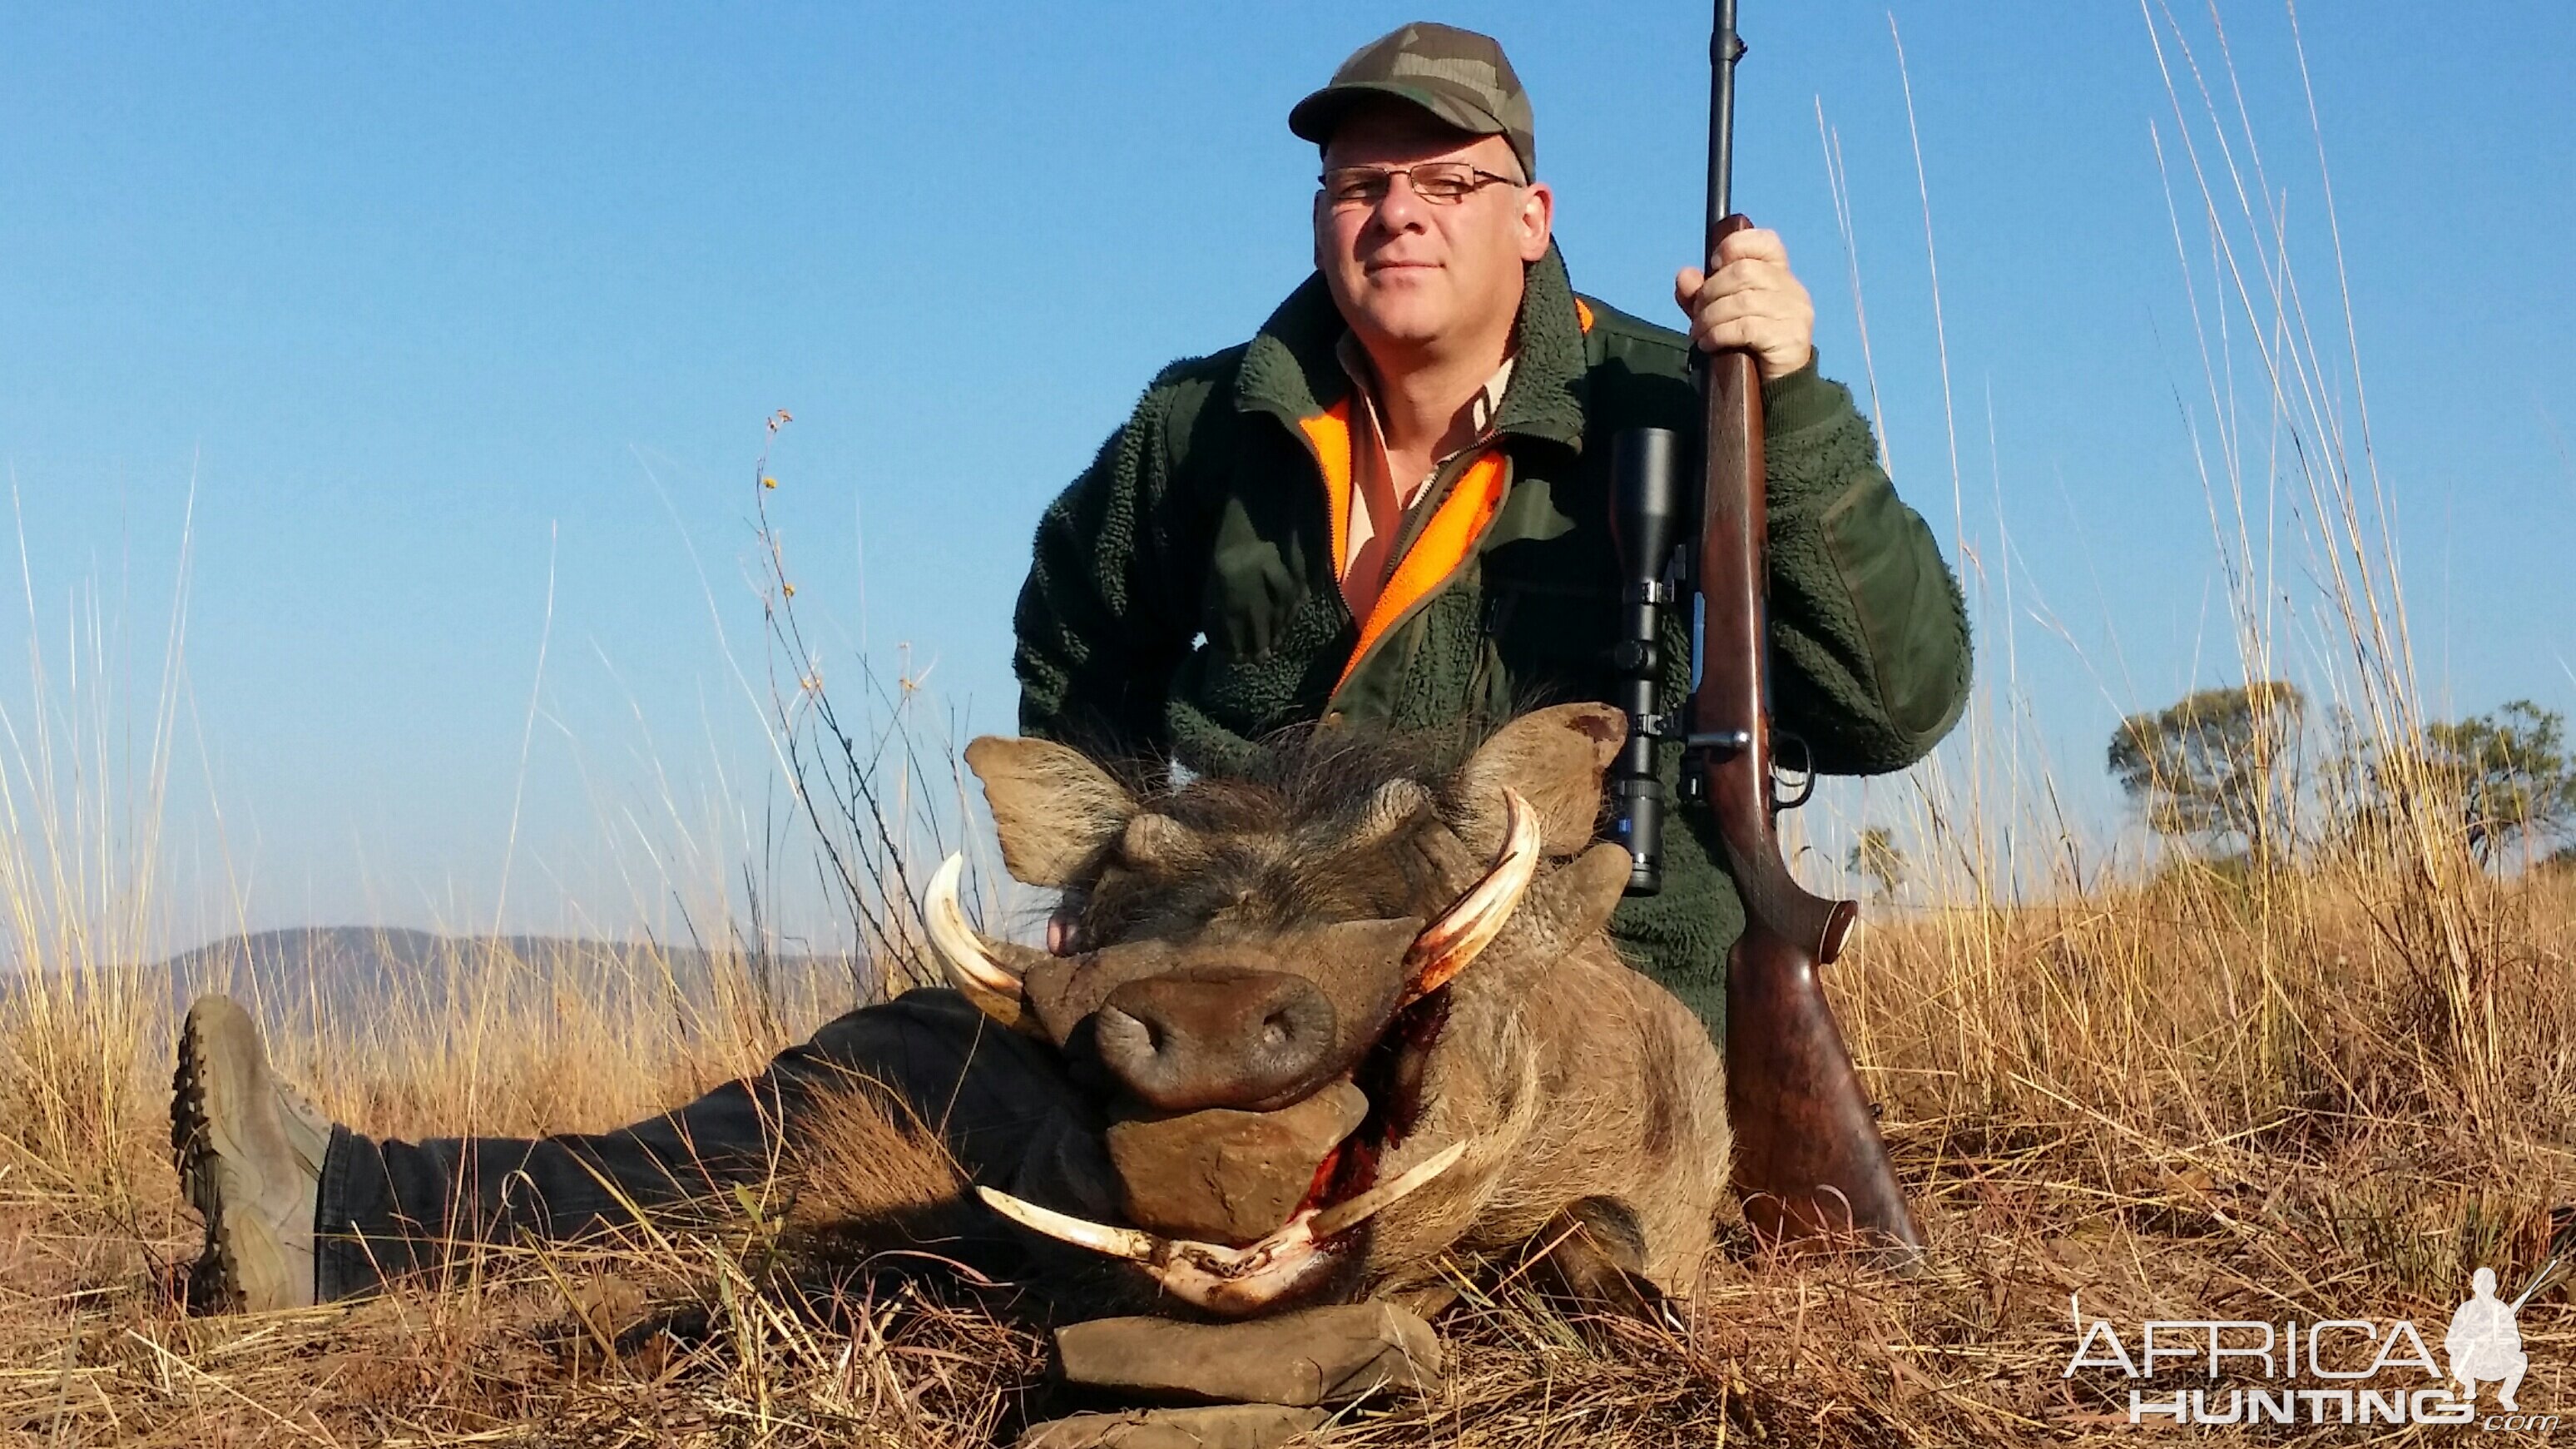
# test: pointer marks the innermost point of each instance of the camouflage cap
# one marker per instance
(1457, 75)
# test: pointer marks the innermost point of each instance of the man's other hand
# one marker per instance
(1751, 301)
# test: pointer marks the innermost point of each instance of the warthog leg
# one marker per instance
(1230, 1280)
(1592, 1254)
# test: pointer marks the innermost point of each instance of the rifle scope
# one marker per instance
(1645, 509)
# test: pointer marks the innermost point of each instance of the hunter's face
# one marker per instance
(1408, 273)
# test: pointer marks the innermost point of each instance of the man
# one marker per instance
(1393, 503)
(1389, 506)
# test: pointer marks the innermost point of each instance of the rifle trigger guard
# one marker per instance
(1781, 742)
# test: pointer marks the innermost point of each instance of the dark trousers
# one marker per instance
(1000, 1101)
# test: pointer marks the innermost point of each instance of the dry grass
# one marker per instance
(2199, 1099)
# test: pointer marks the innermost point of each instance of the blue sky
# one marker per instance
(431, 306)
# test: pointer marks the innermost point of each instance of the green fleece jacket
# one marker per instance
(1183, 600)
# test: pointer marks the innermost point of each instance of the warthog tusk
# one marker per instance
(1098, 1237)
(1204, 1275)
(1341, 1215)
(1251, 1288)
(1446, 945)
(992, 986)
(1221, 1279)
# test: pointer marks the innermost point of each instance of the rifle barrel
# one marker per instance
(1725, 47)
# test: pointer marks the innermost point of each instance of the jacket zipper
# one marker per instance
(1457, 468)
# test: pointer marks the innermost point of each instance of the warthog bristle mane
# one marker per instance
(1307, 775)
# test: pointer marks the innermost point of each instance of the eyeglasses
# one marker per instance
(1445, 183)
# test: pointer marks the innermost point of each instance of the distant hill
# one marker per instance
(365, 972)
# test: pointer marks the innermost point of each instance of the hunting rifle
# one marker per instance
(1809, 1163)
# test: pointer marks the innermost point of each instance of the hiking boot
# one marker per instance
(249, 1151)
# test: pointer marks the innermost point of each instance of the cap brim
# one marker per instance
(1315, 117)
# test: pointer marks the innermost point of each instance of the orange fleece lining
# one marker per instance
(1330, 436)
(1436, 553)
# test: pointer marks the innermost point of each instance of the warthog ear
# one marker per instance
(1053, 807)
(1554, 758)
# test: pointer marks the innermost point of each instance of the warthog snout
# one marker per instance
(1216, 1036)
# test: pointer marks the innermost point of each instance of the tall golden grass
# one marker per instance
(2330, 1087)
(2193, 1098)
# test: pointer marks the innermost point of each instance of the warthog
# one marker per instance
(1346, 1014)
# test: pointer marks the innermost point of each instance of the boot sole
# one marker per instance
(243, 1267)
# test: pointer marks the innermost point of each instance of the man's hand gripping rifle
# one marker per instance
(1809, 1163)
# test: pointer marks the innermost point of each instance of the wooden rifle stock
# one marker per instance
(1809, 1163)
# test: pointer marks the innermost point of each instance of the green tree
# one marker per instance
(2218, 764)
(2359, 793)
(2507, 775)
(1877, 858)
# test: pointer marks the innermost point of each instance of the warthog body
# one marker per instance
(1346, 1012)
